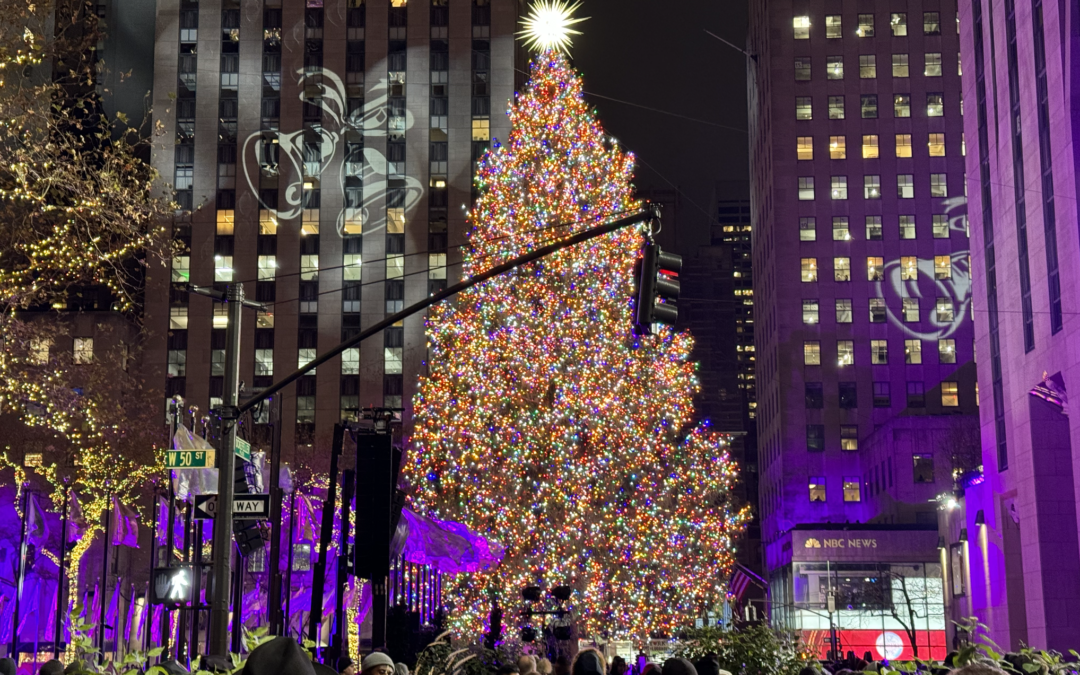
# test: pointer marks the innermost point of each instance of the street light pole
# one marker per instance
(220, 571)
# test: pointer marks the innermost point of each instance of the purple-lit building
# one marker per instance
(862, 293)
(1019, 526)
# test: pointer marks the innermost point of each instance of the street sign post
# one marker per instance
(245, 507)
(191, 459)
(243, 449)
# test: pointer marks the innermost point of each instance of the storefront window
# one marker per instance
(892, 610)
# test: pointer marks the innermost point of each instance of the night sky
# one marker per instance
(656, 54)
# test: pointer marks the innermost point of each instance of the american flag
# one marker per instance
(738, 584)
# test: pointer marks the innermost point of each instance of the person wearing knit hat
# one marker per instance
(543, 666)
(678, 667)
(401, 669)
(346, 666)
(280, 656)
(377, 663)
(51, 667)
(588, 662)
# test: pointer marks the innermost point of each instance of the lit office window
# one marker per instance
(817, 488)
(875, 268)
(933, 65)
(936, 145)
(867, 66)
(840, 230)
(902, 105)
(873, 228)
(809, 269)
(879, 352)
(837, 147)
(845, 352)
(898, 23)
(804, 148)
(806, 188)
(841, 269)
(910, 310)
(870, 146)
(944, 310)
(834, 67)
(843, 310)
(833, 26)
(877, 310)
(905, 186)
(849, 437)
(931, 23)
(913, 352)
(907, 227)
(804, 109)
(802, 27)
(950, 394)
(946, 350)
(839, 187)
(872, 187)
(851, 489)
(941, 227)
(836, 107)
(900, 67)
(938, 185)
(810, 311)
(812, 353)
(807, 228)
(866, 26)
(935, 104)
(802, 69)
(909, 268)
(903, 145)
(942, 267)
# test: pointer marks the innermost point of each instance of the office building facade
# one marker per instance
(862, 295)
(1019, 522)
(323, 154)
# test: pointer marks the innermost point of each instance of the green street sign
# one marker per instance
(190, 459)
(243, 449)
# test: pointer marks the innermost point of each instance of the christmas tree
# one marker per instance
(544, 423)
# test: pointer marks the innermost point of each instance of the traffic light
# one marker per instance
(657, 289)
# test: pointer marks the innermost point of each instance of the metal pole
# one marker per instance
(170, 533)
(153, 563)
(183, 649)
(237, 601)
(289, 564)
(337, 644)
(274, 592)
(19, 584)
(58, 628)
(318, 577)
(219, 604)
(104, 574)
(196, 584)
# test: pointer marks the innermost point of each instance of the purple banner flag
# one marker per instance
(126, 525)
(37, 529)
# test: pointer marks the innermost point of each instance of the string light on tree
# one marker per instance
(548, 25)
(544, 423)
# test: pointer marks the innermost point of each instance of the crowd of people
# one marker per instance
(285, 656)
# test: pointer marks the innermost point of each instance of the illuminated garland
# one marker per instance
(544, 424)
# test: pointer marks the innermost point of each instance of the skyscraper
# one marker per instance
(863, 303)
(1019, 59)
(323, 154)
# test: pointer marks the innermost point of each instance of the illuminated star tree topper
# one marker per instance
(543, 422)
(548, 25)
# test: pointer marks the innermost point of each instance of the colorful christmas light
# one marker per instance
(544, 423)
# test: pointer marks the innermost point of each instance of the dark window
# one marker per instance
(815, 437)
(916, 397)
(815, 395)
(923, 468)
(848, 395)
(881, 395)
(869, 105)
